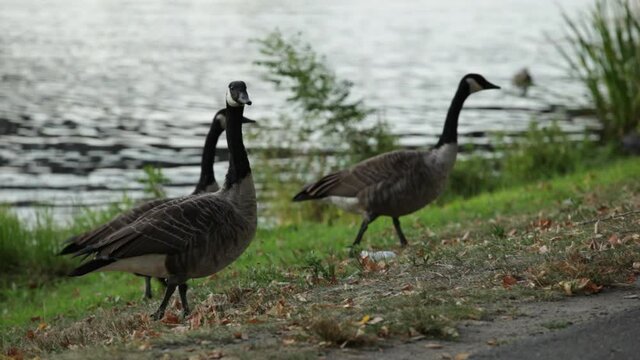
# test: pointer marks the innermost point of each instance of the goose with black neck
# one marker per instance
(206, 183)
(400, 182)
(193, 236)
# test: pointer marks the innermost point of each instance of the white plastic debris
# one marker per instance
(378, 255)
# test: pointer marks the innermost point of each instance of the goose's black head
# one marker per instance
(220, 118)
(477, 82)
(237, 94)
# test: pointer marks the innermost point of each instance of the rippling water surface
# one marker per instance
(93, 89)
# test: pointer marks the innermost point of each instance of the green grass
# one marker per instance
(310, 258)
(604, 53)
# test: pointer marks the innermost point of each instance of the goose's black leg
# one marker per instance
(147, 288)
(182, 290)
(396, 224)
(159, 314)
(368, 219)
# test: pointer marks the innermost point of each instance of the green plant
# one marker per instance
(321, 120)
(153, 181)
(604, 53)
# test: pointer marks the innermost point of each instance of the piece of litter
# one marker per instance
(377, 255)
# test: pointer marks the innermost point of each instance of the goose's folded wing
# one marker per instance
(79, 242)
(349, 182)
(169, 229)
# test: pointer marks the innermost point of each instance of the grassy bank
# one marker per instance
(468, 259)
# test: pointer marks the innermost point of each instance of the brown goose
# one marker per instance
(207, 183)
(397, 183)
(188, 237)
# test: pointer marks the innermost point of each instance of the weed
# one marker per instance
(604, 53)
(153, 181)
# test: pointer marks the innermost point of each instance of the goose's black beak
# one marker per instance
(247, 120)
(243, 98)
(489, 85)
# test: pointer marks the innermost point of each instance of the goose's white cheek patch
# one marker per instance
(473, 85)
(230, 100)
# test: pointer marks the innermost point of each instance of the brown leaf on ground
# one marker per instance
(30, 335)
(288, 341)
(42, 326)
(170, 319)
(508, 281)
(240, 335)
(215, 354)
(614, 240)
(542, 224)
(383, 332)
(195, 320)
(347, 303)
(461, 356)
(433, 346)
(583, 285)
(407, 287)
(15, 353)
(36, 319)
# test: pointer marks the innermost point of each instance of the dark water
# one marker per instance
(92, 90)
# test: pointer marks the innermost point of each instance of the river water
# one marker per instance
(93, 89)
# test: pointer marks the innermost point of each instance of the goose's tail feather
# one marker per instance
(90, 266)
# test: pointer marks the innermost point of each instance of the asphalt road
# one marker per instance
(612, 337)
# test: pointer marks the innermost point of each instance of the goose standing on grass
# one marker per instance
(206, 183)
(189, 237)
(400, 182)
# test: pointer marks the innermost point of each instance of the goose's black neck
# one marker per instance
(450, 131)
(239, 162)
(207, 177)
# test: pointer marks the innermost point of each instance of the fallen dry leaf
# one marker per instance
(508, 281)
(170, 319)
(375, 320)
(15, 353)
(42, 326)
(364, 320)
(215, 354)
(407, 287)
(433, 346)
(144, 346)
(580, 285)
(614, 240)
(492, 342)
(383, 332)
(461, 356)
(288, 341)
(240, 335)
(543, 250)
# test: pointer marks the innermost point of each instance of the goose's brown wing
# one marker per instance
(383, 168)
(81, 241)
(169, 229)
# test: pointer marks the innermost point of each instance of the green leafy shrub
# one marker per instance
(604, 53)
(321, 119)
(153, 181)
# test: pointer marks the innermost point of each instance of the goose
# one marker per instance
(522, 80)
(400, 182)
(206, 183)
(189, 237)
